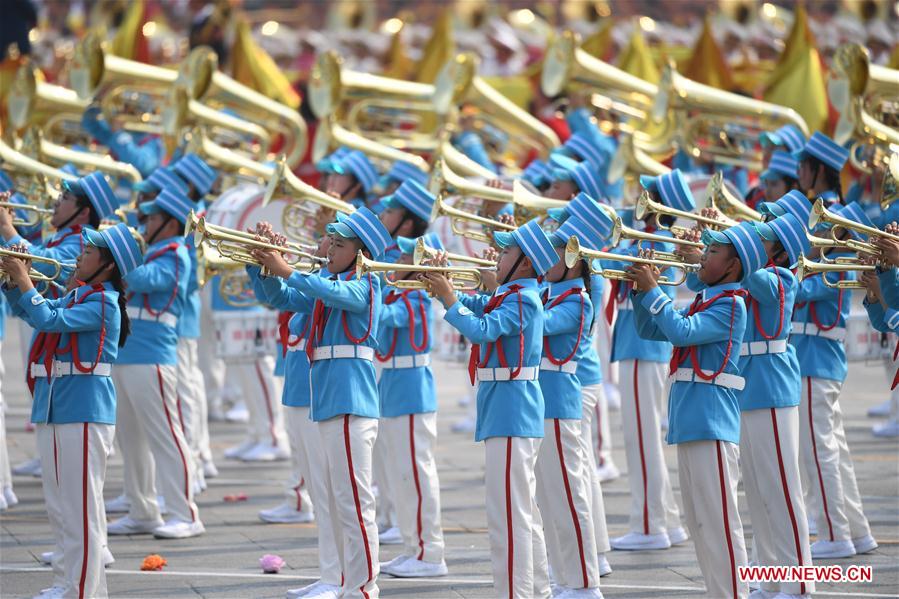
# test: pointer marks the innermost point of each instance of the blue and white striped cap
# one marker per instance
(788, 136)
(589, 236)
(121, 243)
(790, 232)
(583, 147)
(407, 244)
(413, 197)
(404, 171)
(793, 202)
(537, 173)
(97, 190)
(326, 164)
(855, 213)
(782, 164)
(826, 150)
(170, 202)
(194, 169)
(583, 174)
(162, 178)
(586, 209)
(363, 224)
(746, 242)
(672, 189)
(357, 164)
(533, 241)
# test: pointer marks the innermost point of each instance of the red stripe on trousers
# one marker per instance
(296, 490)
(509, 538)
(811, 428)
(600, 460)
(168, 417)
(642, 454)
(574, 517)
(268, 404)
(55, 457)
(730, 545)
(786, 489)
(421, 543)
(352, 473)
(84, 539)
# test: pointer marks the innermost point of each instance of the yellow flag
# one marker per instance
(798, 79)
(129, 41)
(399, 65)
(894, 58)
(599, 43)
(637, 60)
(707, 65)
(252, 66)
(440, 48)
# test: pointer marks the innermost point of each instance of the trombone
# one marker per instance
(821, 215)
(808, 268)
(646, 206)
(720, 198)
(423, 253)
(463, 279)
(574, 252)
(34, 274)
(38, 214)
(461, 218)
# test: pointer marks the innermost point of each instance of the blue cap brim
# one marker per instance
(766, 231)
(73, 187)
(768, 138)
(771, 208)
(561, 161)
(391, 202)
(709, 237)
(558, 240)
(145, 186)
(504, 239)
(647, 182)
(339, 169)
(406, 245)
(560, 174)
(94, 238)
(558, 214)
(770, 175)
(342, 229)
(148, 208)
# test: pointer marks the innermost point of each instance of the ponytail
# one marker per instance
(587, 278)
(831, 177)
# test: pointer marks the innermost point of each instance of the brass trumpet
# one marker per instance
(423, 253)
(646, 206)
(630, 159)
(461, 218)
(821, 215)
(462, 278)
(34, 274)
(721, 199)
(808, 268)
(39, 214)
(620, 232)
(574, 252)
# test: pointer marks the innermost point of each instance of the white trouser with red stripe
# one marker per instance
(564, 495)
(825, 455)
(409, 442)
(604, 334)
(152, 442)
(709, 473)
(517, 546)
(261, 390)
(348, 442)
(191, 394)
(73, 462)
(653, 508)
(769, 459)
(590, 394)
(385, 510)
(212, 367)
(5, 472)
(297, 493)
(599, 424)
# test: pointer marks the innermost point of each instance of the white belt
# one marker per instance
(336, 352)
(301, 346)
(68, 369)
(489, 375)
(569, 367)
(731, 381)
(757, 348)
(812, 330)
(414, 361)
(136, 313)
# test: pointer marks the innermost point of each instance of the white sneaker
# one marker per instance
(47, 557)
(888, 429)
(209, 469)
(234, 453)
(636, 541)
(285, 514)
(416, 568)
(387, 566)
(677, 535)
(119, 505)
(591, 593)
(312, 589)
(179, 529)
(108, 557)
(832, 549)
(864, 544)
(238, 413)
(31, 467)
(10, 496)
(608, 471)
(324, 591)
(160, 501)
(217, 415)
(129, 526)
(881, 410)
(264, 452)
(605, 568)
(54, 592)
(391, 536)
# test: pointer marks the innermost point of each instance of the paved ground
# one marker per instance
(224, 561)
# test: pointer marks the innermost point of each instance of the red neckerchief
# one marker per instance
(680, 354)
(46, 345)
(76, 230)
(474, 361)
(580, 330)
(171, 247)
(754, 305)
(391, 298)
(813, 312)
(320, 318)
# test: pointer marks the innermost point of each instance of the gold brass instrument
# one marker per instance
(465, 223)
(646, 206)
(234, 163)
(34, 274)
(38, 214)
(529, 205)
(330, 134)
(808, 268)
(825, 244)
(716, 125)
(621, 232)
(423, 253)
(720, 198)
(460, 163)
(630, 159)
(574, 252)
(445, 181)
(462, 278)
(32, 178)
(821, 215)
(55, 109)
(44, 150)
(889, 192)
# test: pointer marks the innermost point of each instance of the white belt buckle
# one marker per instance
(502, 374)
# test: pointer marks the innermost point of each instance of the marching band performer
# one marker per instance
(146, 381)
(506, 330)
(785, 140)
(79, 334)
(820, 161)
(780, 177)
(353, 179)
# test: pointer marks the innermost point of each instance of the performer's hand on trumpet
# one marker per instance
(17, 270)
(690, 254)
(888, 246)
(645, 276)
(439, 286)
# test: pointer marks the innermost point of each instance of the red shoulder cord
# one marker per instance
(781, 293)
(474, 361)
(814, 313)
(391, 298)
(680, 354)
(580, 329)
(76, 230)
(162, 251)
(371, 307)
(320, 315)
(284, 332)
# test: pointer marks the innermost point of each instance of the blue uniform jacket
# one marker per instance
(886, 320)
(189, 323)
(505, 408)
(698, 411)
(74, 398)
(157, 291)
(589, 369)
(565, 324)
(406, 390)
